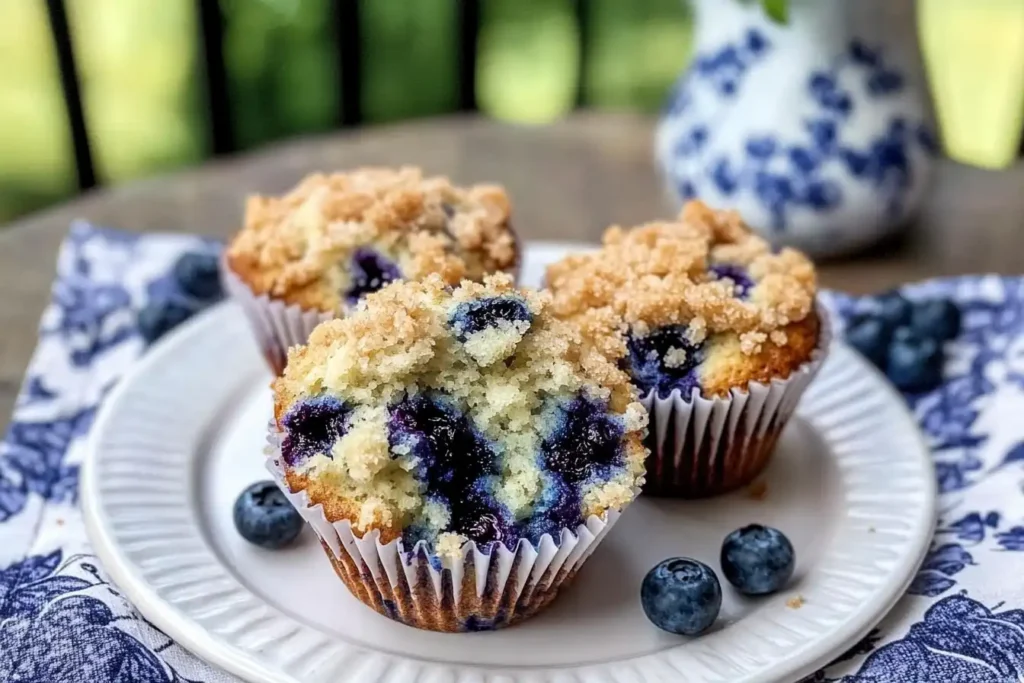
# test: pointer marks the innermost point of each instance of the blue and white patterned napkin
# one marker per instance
(61, 621)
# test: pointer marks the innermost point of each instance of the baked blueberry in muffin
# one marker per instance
(335, 238)
(700, 304)
(454, 415)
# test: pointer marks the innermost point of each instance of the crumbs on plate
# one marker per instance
(758, 490)
(795, 602)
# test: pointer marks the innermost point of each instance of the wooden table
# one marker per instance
(568, 181)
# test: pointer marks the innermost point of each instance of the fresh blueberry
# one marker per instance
(585, 441)
(264, 517)
(757, 559)
(652, 367)
(936, 318)
(737, 274)
(894, 309)
(914, 363)
(198, 275)
(313, 426)
(871, 336)
(160, 317)
(681, 596)
(471, 317)
(370, 272)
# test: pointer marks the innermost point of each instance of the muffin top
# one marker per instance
(696, 304)
(449, 416)
(335, 238)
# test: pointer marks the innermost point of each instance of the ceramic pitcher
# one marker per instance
(817, 130)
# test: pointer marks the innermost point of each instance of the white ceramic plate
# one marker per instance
(851, 484)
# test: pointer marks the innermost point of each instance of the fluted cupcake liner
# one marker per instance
(702, 447)
(278, 326)
(475, 591)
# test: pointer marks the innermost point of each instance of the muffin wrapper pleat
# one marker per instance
(703, 447)
(474, 591)
(278, 326)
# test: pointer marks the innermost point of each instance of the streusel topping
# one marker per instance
(458, 415)
(334, 238)
(664, 273)
(699, 302)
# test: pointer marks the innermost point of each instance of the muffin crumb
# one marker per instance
(675, 358)
(758, 490)
(796, 602)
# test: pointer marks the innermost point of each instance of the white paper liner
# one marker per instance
(277, 326)
(706, 446)
(474, 591)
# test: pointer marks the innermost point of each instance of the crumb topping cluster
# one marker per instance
(498, 381)
(300, 247)
(682, 273)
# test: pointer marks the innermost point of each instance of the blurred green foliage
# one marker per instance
(139, 63)
(528, 59)
(139, 70)
(410, 59)
(35, 149)
(283, 72)
(636, 50)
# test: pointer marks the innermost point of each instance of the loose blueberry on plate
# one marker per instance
(681, 596)
(160, 317)
(198, 275)
(894, 309)
(264, 517)
(757, 559)
(914, 362)
(871, 336)
(936, 318)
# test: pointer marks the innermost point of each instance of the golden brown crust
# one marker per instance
(291, 247)
(732, 367)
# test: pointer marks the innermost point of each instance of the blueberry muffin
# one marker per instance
(699, 312)
(467, 428)
(315, 252)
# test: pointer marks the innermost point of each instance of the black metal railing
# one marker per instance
(211, 46)
(219, 121)
(70, 84)
(348, 42)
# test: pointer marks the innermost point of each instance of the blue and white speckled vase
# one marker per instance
(818, 131)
